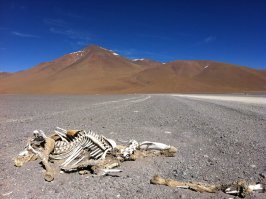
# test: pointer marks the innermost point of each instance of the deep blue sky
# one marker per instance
(35, 31)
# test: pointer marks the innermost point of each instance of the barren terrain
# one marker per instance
(218, 141)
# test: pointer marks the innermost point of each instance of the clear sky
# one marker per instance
(35, 31)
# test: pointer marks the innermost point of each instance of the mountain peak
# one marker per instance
(98, 49)
(92, 47)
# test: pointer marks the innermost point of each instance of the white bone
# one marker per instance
(106, 171)
(96, 156)
(232, 192)
(72, 158)
(74, 144)
(94, 148)
(96, 141)
(111, 170)
(112, 142)
(95, 152)
(257, 187)
(73, 154)
(33, 150)
(79, 161)
(61, 135)
(103, 155)
(64, 130)
(35, 132)
(24, 153)
(153, 145)
(130, 149)
(89, 144)
(43, 134)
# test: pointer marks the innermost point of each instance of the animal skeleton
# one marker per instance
(80, 150)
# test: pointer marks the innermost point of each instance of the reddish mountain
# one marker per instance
(98, 70)
(147, 63)
(4, 75)
(203, 76)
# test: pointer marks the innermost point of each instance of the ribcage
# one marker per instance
(69, 148)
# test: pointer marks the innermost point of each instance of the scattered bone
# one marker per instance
(200, 187)
(239, 188)
(44, 156)
(21, 159)
(153, 145)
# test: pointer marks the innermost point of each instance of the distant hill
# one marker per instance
(97, 70)
(4, 75)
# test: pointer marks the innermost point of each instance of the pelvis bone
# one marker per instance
(78, 150)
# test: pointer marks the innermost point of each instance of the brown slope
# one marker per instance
(5, 75)
(201, 76)
(185, 68)
(98, 70)
(233, 77)
(261, 73)
(92, 70)
(146, 63)
(168, 78)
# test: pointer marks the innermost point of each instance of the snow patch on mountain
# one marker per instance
(104, 48)
(138, 59)
(77, 52)
(114, 53)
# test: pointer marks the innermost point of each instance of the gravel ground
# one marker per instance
(217, 141)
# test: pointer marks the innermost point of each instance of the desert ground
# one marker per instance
(220, 138)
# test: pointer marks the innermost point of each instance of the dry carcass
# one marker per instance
(79, 150)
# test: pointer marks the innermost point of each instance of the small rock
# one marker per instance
(263, 175)
(182, 196)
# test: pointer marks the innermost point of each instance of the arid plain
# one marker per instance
(218, 141)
